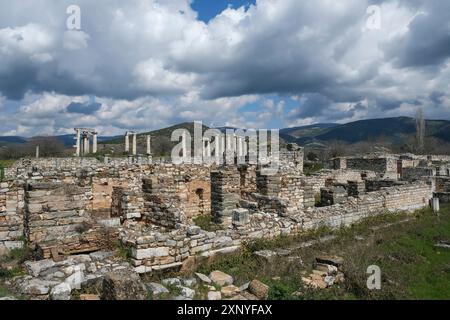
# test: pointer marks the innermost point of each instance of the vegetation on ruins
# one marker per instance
(402, 245)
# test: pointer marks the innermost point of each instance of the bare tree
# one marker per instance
(336, 149)
(48, 146)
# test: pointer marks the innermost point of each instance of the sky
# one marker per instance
(146, 64)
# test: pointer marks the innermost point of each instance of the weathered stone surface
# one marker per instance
(150, 253)
(156, 289)
(61, 291)
(123, 285)
(214, 295)
(187, 292)
(259, 289)
(75, 280)
(189, 282)
(36, 267)
(171, 282)
(37, 287)
(229, 291)
(203, 278)
(220, 278)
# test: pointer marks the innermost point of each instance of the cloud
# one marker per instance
(153, 63)
(83, 108)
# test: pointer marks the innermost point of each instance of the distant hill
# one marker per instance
(68, 139)
(393, 129)
(305, 132)
(12, 139)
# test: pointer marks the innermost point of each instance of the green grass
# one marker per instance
(4, 292)
(206, 223)
(311, 168)
(412, 267)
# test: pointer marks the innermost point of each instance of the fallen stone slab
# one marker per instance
(61, 291)
(123, 285)
(156, 289)
(36, 267)
(37, 287)
(230, 291)
(203, 278)
(220, 278)
(259, 289)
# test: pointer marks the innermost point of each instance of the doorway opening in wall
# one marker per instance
(201, 201)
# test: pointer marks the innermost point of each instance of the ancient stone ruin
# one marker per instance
(71, 212)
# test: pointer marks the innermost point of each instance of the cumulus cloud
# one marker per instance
(153, 63)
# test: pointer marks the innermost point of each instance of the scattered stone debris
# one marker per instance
(326, 273)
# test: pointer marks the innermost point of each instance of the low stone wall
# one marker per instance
(155, 249)
(11, 216)
(318, 181)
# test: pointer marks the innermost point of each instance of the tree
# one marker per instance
(48, 147)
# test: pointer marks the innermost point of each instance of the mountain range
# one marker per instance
(393, 129)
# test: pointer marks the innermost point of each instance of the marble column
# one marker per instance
(94, 143)
(149, 150)
(77, 143)
(134, 144)
(127, 142)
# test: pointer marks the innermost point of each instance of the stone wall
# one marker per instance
(225, 193)
(417, 173)
(53, 211)
(11, 216)
(126, 204)
(155, 249)
(378, 165)
(175, 194)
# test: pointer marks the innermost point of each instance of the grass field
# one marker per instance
(412, 266)
(6, 163)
